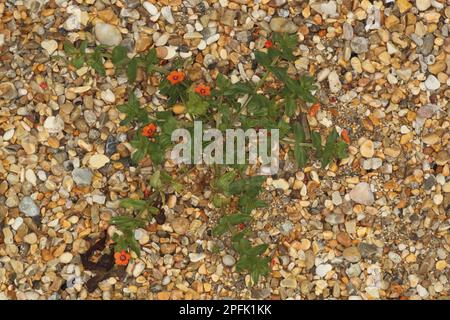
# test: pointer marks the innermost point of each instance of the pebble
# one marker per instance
(280, 24)
(323, 269)
(97, 161)
(107, 34)
(334, 82)
(423, 5)
(82, 176)
(28, 207)
(359, 45)
(8, 91)
(54, 125)
(151, 8)
(180, 225)
(362, 194)
(367, 149)
(280, 184)
(432, 83)
(66, 257)
(50, 46)
(196, 257)
(351, 254)
(228, 260)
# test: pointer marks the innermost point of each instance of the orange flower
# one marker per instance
(203, 90)
(314, 109)
(122, 258)
(149, 130)
(345, 137)
(268, 44)
(175, 77)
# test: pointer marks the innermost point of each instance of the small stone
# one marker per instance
(427, 111)
(7, 91)
(180, 225)
(167, 14)
(336, 198)
(28, 207)
(50, 46)
(280, 184)
(403, 5)
(288, 283)
(351, 254)
(334, 82)
(54, 125)
(228, 260)
(151, 9)
(362, 194)
(280, 24)
(66, 257)
(196, 257)
(138, 268)
(367, 149)
(432, 83)
(422, 291)
(359, 45)
(431, 139)
(107, 34)
(344, 239)
(423, 5)
(323, 269)
(427, 45)
(30, 238)
(97, 161)
(395, 257)
(108, 96)
(438, 199)
(335, 218)
(441, 265)
(82, 176)
(111, 145)
(277, 3)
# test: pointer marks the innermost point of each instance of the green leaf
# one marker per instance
(95, 62)
(237, 218)
(69, 48)
(83, 46)
(196, 105)
(259, 249)
(78, 61)
(132, 70)
(223, 183)
(119, 55)
(220, 229)
(299, 151)
(155, 180)
(134, 245)
(133, 203)
(341, 150)
(291, 106)
(317, 143)
(263, 59)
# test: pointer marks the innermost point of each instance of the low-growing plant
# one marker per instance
(278, 100)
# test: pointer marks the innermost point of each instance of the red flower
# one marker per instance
(203, 90)
(314, 109)
(268, 44)
(345, 137)
(149, 130)
(122, 258)
(175, 77)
